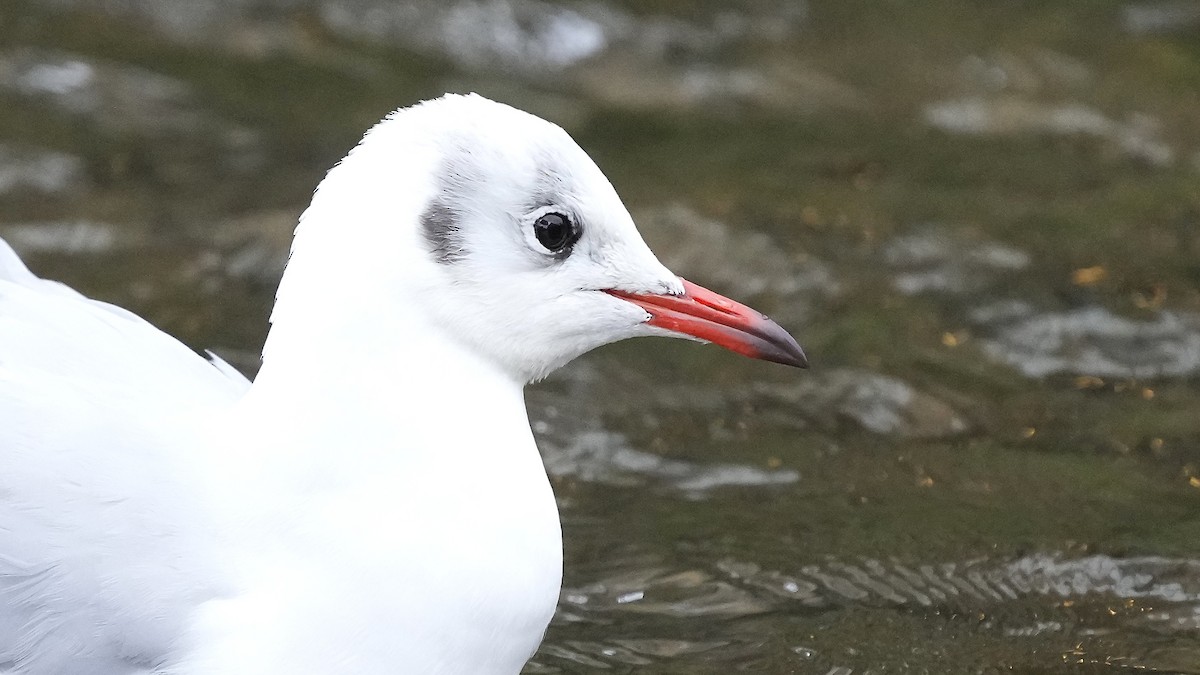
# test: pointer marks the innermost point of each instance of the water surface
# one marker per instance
(981, 219)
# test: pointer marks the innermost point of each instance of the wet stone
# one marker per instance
(532, 38)
(605, 457)
(743, 264)
(624, 79)
(41, 171)
(124, 99)
(526, 38)
(1137, 136)
(576, 443)
(1161, 18)
(117, 96)
(66, 237)
(1006, 71)
(1093, 341)
(949, 261)
(878, 403)
(522, 36)
(645, 61)
(179, 19)
(1089, 340)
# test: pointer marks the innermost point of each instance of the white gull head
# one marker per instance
(374, 502)
(461, 250)
(492, 227)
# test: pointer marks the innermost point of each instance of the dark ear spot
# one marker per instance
(442, 228)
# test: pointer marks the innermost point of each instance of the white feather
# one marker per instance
(103, 549)
(374, 502)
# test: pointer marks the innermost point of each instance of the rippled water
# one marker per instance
(981, 219)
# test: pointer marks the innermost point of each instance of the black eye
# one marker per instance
(556, 232)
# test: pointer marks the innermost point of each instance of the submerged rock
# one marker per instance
(115, 95)
(942, 260)
(743, 264)
(39, 170)
(599, 456)
(525, 36)
(1085, 341)
(877, 403)
(576, 443)
(641, 61)
(66, 237)
(623, 58)
(1025, 72)
(1161, 18)
(1137, 136)
(1095, 341)
(123, 99)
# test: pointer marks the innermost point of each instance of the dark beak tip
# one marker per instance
(781, 347)
(801, 357)
(791, 357)
(801, 360)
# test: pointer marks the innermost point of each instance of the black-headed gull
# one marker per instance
(374, 502)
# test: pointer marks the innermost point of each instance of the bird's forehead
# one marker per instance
(524, 175)
(515, 159)
(488, 179)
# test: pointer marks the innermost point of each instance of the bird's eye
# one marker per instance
(556, 232)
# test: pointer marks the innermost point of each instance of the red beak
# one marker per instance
(715, 318)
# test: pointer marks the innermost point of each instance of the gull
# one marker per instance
(374, 501)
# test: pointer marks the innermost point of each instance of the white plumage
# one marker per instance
(374, 502)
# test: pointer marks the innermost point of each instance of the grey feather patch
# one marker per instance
(443, 232)
(550, 188)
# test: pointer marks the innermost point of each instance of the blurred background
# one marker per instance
(982, 220)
